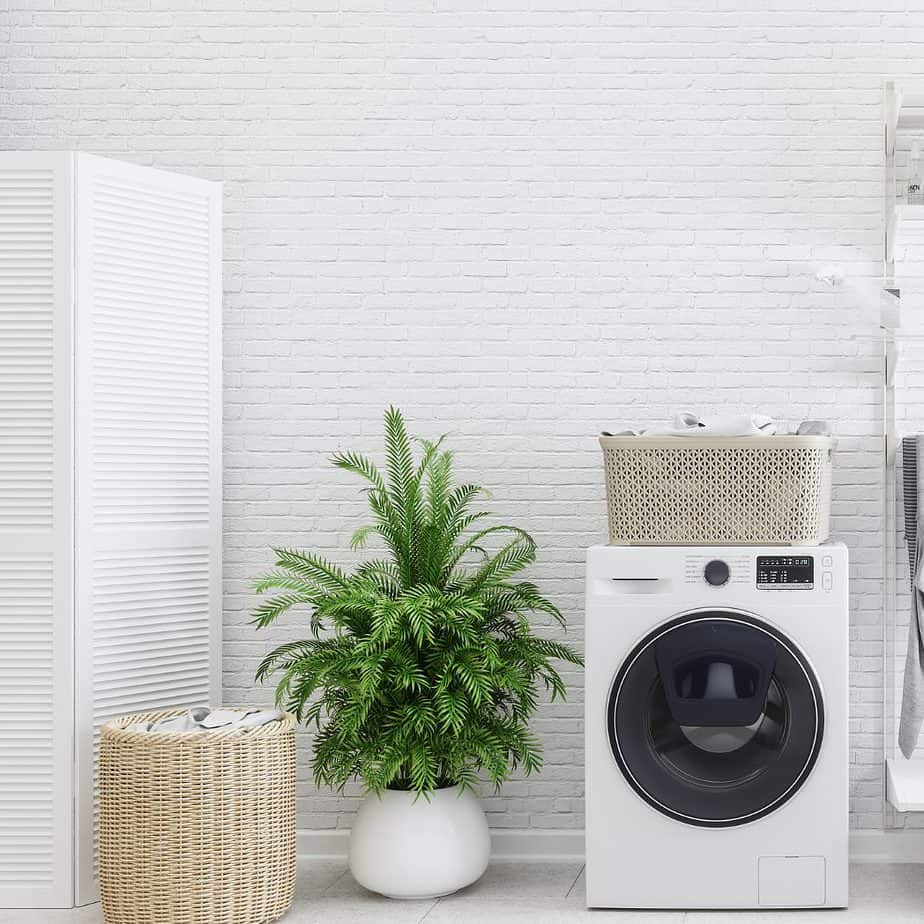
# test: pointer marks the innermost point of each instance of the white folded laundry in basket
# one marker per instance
(687, 424)
(204, 718)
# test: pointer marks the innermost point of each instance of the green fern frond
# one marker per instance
(282, 580)
(361, 536)
(431, 670)
(311, 567)
(272, 609)
(359, 465)
(511, 559)
(473, 541)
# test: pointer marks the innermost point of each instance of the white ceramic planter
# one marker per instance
(404, 848)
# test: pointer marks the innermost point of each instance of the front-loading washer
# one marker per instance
(716, 727)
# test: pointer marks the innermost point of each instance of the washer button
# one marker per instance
(716, 572)
(827, 561)
(827, 581)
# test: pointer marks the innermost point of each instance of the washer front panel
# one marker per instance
(715, 776)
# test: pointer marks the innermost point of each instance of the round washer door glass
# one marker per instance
(715, 719)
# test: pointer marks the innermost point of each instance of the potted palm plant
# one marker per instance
(422, 670)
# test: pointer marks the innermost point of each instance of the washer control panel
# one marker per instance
(792, 572)
(727, 571)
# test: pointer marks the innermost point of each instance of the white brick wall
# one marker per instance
(521, 221)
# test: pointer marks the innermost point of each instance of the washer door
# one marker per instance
(716, 719)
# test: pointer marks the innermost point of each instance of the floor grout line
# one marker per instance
(330, 885)
(573, 884)
(427, 913)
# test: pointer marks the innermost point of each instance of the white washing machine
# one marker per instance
(716, 727)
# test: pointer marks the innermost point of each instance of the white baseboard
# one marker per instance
(524, 845)
(322, 845)
(537, 845)
(891, 846)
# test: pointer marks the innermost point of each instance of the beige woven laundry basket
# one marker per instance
(196, 827)
(678, 490)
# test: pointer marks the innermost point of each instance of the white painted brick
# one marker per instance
(523, 222)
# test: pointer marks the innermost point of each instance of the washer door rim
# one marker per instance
(732, 615)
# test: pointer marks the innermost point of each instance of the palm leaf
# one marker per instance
(359, 465)
(311, 567)
(359, 538)
(270, 610)
(512, 558)
(429, 671)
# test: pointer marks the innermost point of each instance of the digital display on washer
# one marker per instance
(795, 571)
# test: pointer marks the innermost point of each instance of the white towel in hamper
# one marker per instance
(204, 718)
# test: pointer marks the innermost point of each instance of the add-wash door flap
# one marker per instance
(36, 654)
(148, 434)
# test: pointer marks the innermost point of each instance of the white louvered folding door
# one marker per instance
(147, 443)
(110, 486)
(36, 543)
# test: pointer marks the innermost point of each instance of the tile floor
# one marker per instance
(545, 893)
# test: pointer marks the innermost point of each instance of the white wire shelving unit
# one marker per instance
(903, 261)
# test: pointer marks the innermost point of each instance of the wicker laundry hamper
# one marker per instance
(196, 827)
(679, 490)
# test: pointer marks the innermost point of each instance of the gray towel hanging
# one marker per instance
(912, 714)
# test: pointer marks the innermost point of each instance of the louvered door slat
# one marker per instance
(35, 533)
(148, 486)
